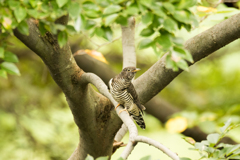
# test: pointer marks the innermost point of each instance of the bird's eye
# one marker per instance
(128, 70)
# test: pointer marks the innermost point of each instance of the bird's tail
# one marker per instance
(139, 120)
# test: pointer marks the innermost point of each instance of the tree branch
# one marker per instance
(158, 76)
(128, 44)
(102, 88)
(94, 122)
(158, 146)
(129, 59)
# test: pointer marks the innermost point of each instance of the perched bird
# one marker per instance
(124, 93)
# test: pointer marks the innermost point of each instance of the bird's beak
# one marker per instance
(137, 69)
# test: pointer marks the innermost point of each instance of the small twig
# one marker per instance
(158, 146)
(91, 40)
(121, 133)
(104, 44)
(101, 45)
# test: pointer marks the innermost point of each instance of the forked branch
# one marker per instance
(134, 138)
(129, 59)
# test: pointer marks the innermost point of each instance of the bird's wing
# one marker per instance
(110, 84)
(131, 90)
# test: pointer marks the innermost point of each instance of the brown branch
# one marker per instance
(158, 76)
(91, 111)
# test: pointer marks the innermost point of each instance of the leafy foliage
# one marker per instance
(160, 22)
(212, 150)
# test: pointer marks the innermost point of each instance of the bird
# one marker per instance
(123, 91)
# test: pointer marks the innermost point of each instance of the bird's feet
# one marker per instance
(122, 111)
(117, 106)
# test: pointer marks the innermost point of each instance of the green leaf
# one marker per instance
(141, 7)
(61, 2)
(92, 14)
(13, 4)
(147, 32)
(1, 52)
(168, 6)
(147, 18)
(62, 38)
(171, 64)
(235, 157)
(41, 27)
(110, 19)
(213, 138)
(178, 41)
(186, 4)
(90, 24)
(108, 34)
(33, 13)
(157, 21)
(164, 40)
(233, 149)
(59, 27)
(184, 53)
(122, 20)
(89, 157)
(184, 158)
(11, 68)
(200, 146)
(183, 65)
(33, 3)
(71, 30)
(145, 43)
(20, 13)
(146, 158)
(159, 12)
(99, 32)
(90, 6)
(23, 28)
(10, 57)
(182, 16)
(74, 9)
(79, 23)
(170, 25)
(102, 158)
(3, 73)
(112, 9)
(120, 158)
(227, 124)
(132, 10)
(146, 3)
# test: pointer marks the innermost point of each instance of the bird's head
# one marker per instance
(129, 72)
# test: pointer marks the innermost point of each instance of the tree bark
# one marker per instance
(92, 112)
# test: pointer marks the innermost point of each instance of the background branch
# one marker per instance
(158, 76)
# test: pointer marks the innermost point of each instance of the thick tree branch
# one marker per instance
(94, 122)
(158, 76)
(157, 106)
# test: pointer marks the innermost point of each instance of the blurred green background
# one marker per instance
(36, 123)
